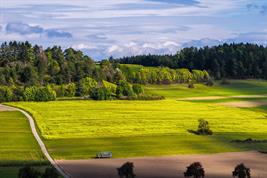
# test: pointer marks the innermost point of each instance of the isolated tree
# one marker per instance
(203, 128)
(195, 170)
(241, 171)
(126, 170)
(28, 172)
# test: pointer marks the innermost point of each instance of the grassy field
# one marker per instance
(236, 87)
(18, 146)
(80, 129)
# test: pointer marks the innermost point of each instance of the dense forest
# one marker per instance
(32, 73)
(236, 61)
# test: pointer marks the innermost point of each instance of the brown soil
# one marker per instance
(216, 166)
(221, 97)
(245, 104)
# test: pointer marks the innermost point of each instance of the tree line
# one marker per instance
(195, 170)
(31, 73)
(235, 61)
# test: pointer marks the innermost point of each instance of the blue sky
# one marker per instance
(103, 28)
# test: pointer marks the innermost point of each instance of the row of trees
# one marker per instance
(86, 88)
(236, 61)
(162, 75)
(31, 73)
(22, 64)
(194, 170)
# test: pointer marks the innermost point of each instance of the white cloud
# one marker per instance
(83, 46)
(115, 48)
(134, 48)
(170, 43)
(128, 27)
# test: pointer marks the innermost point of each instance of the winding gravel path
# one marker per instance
(38, 139)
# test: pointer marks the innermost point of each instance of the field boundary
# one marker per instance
(40, 142)
(221, 97)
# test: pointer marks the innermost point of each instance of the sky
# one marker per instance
(104, 28)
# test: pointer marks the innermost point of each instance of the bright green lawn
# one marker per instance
(17, 145)
(79, 129)
(17, 142)
(236, 87)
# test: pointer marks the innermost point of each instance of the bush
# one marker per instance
(124, 89)
(241, 171)
(203, 128)
(195, 170)
(6, 94)
(191, 84)
(28, 172)
(45, 94)
(18, 93)
(86, 86)
(143, 97)
(39, 94)
(138, 89)
(110, 86)
(101, 94)
(126, 170)
(68, 90)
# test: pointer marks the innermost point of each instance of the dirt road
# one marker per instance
(216, 165)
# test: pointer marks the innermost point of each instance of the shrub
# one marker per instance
(86, 86)
(195, 170)
(101, 94)
(28, 172)
(203, 128)
(6, 94)
(144, 97)
(110, 86)
(45, 94)
(17, 93)
(191, 84)
(124, 89)
(68, 90)
(241, 171)
(138, 89)
(29, 93)
(39, 94)
(126, 170)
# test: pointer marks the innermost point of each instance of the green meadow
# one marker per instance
(80, 129)
(17, 145)
(235, 87)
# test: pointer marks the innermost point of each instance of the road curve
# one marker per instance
(39, 140)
